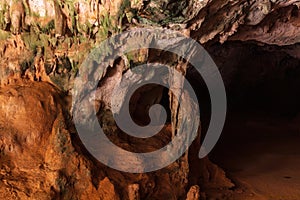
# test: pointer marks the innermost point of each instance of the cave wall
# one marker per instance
(42, 46)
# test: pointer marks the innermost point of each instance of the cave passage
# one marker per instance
(259, 146)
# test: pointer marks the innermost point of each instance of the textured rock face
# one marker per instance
(194, 193)
(32, 121)
(264, 20)
(42, 158)
(84, 23)
(280, 27)
(40, 161)
(221, 20)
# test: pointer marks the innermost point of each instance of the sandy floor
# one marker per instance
(263, 153)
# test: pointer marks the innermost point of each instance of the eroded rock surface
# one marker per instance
(42, 46)
(38, 160)
(41, 157)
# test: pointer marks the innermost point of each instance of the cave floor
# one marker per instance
(262, 152)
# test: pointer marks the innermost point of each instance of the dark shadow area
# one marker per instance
(259, 145)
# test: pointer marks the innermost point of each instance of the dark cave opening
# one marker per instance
(259, 145)
(145, 97)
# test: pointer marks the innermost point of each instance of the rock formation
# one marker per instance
(42, 47)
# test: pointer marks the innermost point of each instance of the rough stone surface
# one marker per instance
(194, 193)
(40, 158)
(133, 192)
(42, 46)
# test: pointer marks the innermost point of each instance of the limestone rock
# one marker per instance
(54, 165)
(133, 192)
(107, 190)
(32, 119)
(17, 16)
(194, 193)
(41, 155)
